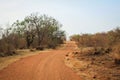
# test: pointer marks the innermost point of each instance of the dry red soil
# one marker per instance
(44, 66)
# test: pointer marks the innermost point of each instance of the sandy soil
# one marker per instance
(5, 61)
(44, 66)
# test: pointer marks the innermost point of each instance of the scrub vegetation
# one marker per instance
(34, 32)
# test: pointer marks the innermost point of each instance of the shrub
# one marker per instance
(116, 54)
(6, 49)
(39, 48)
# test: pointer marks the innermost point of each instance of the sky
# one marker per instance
(77, 16)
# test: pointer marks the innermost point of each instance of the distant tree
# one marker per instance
(1, 32)
(42, 28)
(33, 32)
(75, 37)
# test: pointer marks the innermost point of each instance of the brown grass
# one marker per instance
(93, 67)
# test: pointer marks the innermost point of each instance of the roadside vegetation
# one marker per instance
(106, 42)
(98, 56)
(34, 32)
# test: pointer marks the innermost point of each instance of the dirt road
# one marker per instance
(44, 66)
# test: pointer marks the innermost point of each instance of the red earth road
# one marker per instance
(44, 66)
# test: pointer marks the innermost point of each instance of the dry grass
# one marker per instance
(93, 67)
(5, 61)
